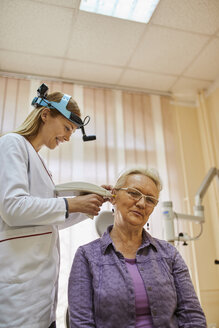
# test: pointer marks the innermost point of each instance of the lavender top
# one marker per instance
(101, 291)
(142, 307)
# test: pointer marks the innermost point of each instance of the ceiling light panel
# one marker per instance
(135, 10)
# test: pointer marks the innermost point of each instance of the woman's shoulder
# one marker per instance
(90, 250)
(13, 141)
(91, 245)
(12, 137)
(164, 247)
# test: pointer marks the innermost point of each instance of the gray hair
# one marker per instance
(148, 172)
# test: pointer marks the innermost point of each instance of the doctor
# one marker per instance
(30, 214)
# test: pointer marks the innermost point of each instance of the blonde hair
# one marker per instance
(30, 127)
(148, 172)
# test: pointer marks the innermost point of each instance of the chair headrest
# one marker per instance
(103, 220)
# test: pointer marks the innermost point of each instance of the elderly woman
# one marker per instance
(128, 279)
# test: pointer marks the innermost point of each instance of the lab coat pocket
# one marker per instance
(24, 253)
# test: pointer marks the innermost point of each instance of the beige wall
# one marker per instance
(191, 144)
(208, 112)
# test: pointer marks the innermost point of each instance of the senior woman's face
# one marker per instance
(133, 211)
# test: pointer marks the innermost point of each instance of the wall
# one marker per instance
(191, 148)
(208, 114)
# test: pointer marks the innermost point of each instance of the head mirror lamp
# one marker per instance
(61, 107)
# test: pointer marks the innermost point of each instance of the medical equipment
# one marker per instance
(198, 217)
(78, 188)
(61, 106)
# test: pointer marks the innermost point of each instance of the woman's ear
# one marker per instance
(113, 199)
(44, 114)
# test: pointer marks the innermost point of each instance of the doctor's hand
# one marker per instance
(107, 187)
(89, 204)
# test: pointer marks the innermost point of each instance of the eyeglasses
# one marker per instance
(137, 195)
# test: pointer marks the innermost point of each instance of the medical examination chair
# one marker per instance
(101, 221)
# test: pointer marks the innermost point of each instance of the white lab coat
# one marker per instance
(29, 241)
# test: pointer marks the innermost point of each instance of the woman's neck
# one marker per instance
(126, 240)
(35, 142)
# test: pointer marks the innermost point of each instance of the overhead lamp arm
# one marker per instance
(198, 217)
(205, 184)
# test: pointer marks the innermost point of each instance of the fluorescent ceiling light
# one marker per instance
(135, 10)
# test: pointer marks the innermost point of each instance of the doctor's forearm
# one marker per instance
(26, 211)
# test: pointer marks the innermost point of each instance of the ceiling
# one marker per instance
(177, 52)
